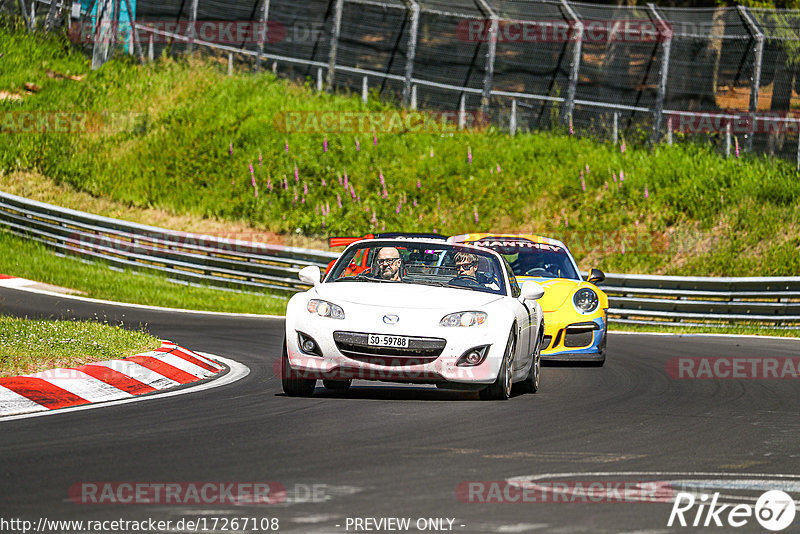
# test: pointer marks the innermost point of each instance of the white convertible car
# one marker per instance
(416, 311)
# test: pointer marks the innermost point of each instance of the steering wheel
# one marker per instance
(538, 271)
(464, 281)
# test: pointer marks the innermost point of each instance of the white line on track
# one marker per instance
(6, 283)
(237, 372)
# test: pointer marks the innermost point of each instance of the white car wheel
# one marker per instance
(501, 388)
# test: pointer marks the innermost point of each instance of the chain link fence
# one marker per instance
(728, 75)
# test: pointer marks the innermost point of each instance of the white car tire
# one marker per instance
(293, 384)
(501, 388)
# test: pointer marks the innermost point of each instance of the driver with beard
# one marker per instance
(389, 264)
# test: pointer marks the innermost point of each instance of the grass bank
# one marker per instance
(181, 136)
(29, 346)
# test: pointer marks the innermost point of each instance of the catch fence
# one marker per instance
(641, 73)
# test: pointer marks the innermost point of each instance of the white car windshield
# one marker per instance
(405, 262)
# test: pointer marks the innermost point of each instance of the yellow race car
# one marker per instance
(575, 310)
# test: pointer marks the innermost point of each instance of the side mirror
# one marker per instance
(531, 291)
(310, 275)
(596, 275)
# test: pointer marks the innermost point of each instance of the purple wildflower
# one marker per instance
(345, 180)
(358, 146)
(469, 155)
(374, 140)
(230, 149)
(296, 176)
(339, 200)
(259, 158)
(583, 183)
(571, 131)
(622, 147)
(305, 188)
(286, 145)
(383, 182)
(419, 185)
(621, 176)
(646, 193)
(476, 215)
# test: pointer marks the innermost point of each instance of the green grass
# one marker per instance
(28, 346)
(704, 215)
(28, 259)
(741, 330)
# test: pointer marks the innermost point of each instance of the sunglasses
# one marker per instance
(387, 261)
(466, 265)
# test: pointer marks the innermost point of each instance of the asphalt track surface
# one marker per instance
(383, 450)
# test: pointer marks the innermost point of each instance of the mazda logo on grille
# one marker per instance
(390, 319)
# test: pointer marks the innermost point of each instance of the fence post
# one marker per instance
(615, 129)
(756, 79)
(728, 140)
(337, 28)
(100, 44)
(24, 12)
(488, 72)
(230, 63)
(150, 50)
(364, 89)
(512, 123)
(575, 62)
(462, 111)
(319, 79)
(50, 19)
(798, 145)
(137, 46)
(262, 34)
(411, 51)
(413, 104)
(665, 32)
(192, 22)
(669, 130)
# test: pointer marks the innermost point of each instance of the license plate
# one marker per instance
(388, 341)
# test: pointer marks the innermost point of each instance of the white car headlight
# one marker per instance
(323, 308)
(467, 318)
(585, 300)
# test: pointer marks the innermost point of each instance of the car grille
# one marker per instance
(546, 341)
(579, 335)
(420, 350)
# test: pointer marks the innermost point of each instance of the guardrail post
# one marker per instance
(755, 86)
(512, 123)
(337, 28)
(150, 50)
(192, 22)
(575, 62)
(665, 32)
(615, 128)
(411, 51)
(262, 33)
(413, 105)
(319, 79)
(230, 63)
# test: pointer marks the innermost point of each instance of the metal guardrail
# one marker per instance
(181, 256)
(704, 301)
(243, 265)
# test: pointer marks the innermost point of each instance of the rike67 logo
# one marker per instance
(774, 510)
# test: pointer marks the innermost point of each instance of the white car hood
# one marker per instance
(400, 295)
